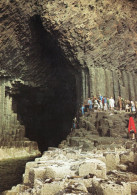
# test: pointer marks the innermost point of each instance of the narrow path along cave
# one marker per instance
(47, 111)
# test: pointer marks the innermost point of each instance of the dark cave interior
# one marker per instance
(47, 111)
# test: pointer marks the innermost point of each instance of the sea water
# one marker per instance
(11, 172)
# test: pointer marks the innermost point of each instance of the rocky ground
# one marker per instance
(19, 149)
(86, 162)
(98, 36)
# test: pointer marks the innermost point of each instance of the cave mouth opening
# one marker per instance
(47, 110)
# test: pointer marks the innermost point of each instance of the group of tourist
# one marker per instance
(101, 103)
(104, 103)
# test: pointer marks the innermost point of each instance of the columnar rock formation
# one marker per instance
(97, 37)
(84, 163)
(63, 52)
(13, 144)
(53, 55)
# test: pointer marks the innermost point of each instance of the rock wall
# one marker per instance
(102, 36)
(13, 143)
(10, 127)
(113, 83)
(98, 36)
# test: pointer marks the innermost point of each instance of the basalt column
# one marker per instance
(85, 84)
(112, 82)
(64, 52)
(47, 104)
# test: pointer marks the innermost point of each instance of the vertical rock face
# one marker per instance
(97, 35)
(9, 125)
(70, 50)
(13, 144)
(113, 83)
(48, 96)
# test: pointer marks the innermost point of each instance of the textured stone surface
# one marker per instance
(19, 149)
(97, 35)
(70, 50)
(84, 163)
(13, 143)
(111, 188)
(69, 170)
(133, 187)
(79, 48)
(106, 123)
(81, 157)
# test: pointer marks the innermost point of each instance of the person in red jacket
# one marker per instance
(131, 128)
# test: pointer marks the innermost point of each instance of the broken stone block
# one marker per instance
(126, 157)
(52, 188)
(128, 144)
(108, 187)
(19, 189)
(58, 171)
(26, 177)
(112, 160)
(135, 159)
(38, 173)
(134, 187)
(93, 166)
(74, 141)
(122, 167)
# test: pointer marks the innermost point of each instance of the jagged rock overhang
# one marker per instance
(49, 94)
(96, 43)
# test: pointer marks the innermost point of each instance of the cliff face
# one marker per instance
(63, 52)
(98, 35)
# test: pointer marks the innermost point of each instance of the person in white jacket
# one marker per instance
(111, 103)
(133, 109)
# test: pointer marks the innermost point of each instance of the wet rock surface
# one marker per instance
(84, 163)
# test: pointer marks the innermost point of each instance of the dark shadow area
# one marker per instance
(47, 111)
(11, 171)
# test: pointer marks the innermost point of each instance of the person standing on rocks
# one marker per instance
(86, 106)
(75, 123)
(108, 103)
(95, 104)
(105, 104)
(100, 97)
(111, 103)
(83, 110)
(90, 104)
(100, 105)
(133, 109)
(127, 107)
(120, 103)
(131, 128)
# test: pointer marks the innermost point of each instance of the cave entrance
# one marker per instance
(48, 108)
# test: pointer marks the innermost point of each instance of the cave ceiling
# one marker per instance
(90, 33)
(87, 33)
